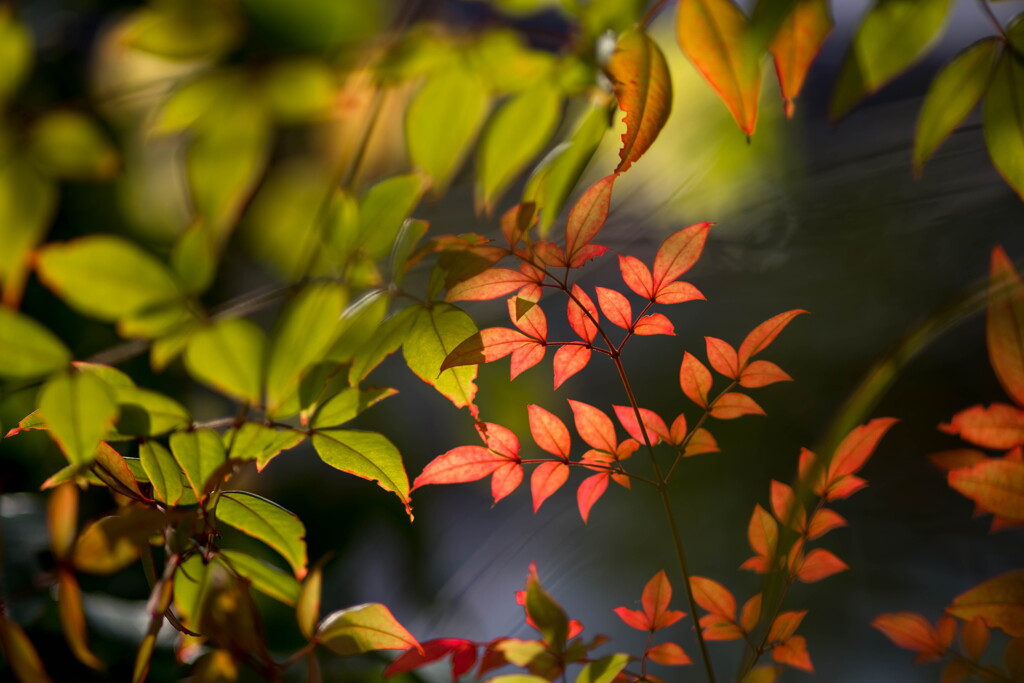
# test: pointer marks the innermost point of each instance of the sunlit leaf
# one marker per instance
(569, 360)
(199, 453)
(764, 334)
(70, 145)
(547, 478)
(435, 333)
(27, 349)
(654, 430)
(346, 405)
(761, 373)
(589, 492)
(299, 89)
(796, 44)
(998, 426)
(229, 357)
(307, 607)
(431, 651)
(637, 276)
(912, 632)
(1005, 325)
(616, 307)
(547, 616)
(489, 284)
(587, 217)
(695, 380)
(27, 202)
(162, 471)
(655, 323)
(643, 88)
(62, 519)
(16, 54)
(112, 543)
(184, 30)
(254, 441)
(264, 577)
(603, 670)
(594, 426)
(794, 653)
(459, 465)
(733, 405)
(363, 628)
(668, 654)
(365, 454)
(266, 521)
(79, 411)
(21, 656)
(384, 208)
(713, 596)
(722, 357)
(388, 338)
(678, 253)
(995, 485)
(823, 521)
(819, 564)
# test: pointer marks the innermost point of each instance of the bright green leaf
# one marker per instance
(199, 453)
(148, 413)
(162, 471)
(436, 331)
(67, 144)
(363, 628)
(27, 349)
(408, 237)
(185, 29)
(27, 201)
(254, 441)
(307, 609)
(1004, 120)
(266, 521)
(348, 404)
(384, 208)
(387, 338)
(603, 670)
(194, 258)
(79, 411)
(190, 588)
(265, 578)
(365, 454)
(299, 90)
(228, 356)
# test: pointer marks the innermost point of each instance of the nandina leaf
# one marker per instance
(517, 221)
(266, 521)
(643, 88)
(62, 520)
(363, 628)
(347, 404)
(590, 491)
(678, 431)
(678, 253)
(999, 601)
(654, 426)
(717, 627)
(594, 426)
(824, 521)
(999, 426)
(750, 615)
(1004, 118)
(722, 357)
(912, 632)
(79, 409)
(763, 535)
(678, 292)
(549, 432)
(701, 442)
(714, 36)
(460, 465)
(532, 321)
(264, 577)
(21, 656)
(506, 479)
(857, 447)
(655, 600)
(365, 454)
(819, 564)
(27, 349)
(199, 453)
(501, 440)
(637, 276)
(544, 614)
(229, 356)
(607, 669)
(616, 307)
(436, 332)
(695, 379)
(797, 43)
(72, 619)
(1005, 325)
(569, 359)
(785, 625)
(490, 284)
(975, 636)
(995, 485)
(162, 471)
(794, 653)
(587, 217)
(668, 654)
(786, 508)
(655, 323)
(733, 405)
(487, 345)
(582, 324)
(432, 650)
(764, 334)
(713, 596)
(254, 441)
(957, 458)
(634, 618)
(761, 373)
(546, 479)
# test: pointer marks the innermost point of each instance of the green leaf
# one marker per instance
(408, 237)
(162, 471)
(69, 145)
(79, 411)
(254, 441)
(199, 453)
(298, 90)
(893, 35)
(603, 670)
(148, 413)
(307, 609)
(443, 120)
(194, 258)
(384, 208)
(229, 356)
(190, 590)
(435, 332)
(363, 628)
(265, 577)
(27, 201)
(106, 277)
(515, 134)
(266, 521)
(348, 404)
(388, 338)
(155, 321)
(365, 454)
(547, 614)
(188, 497)
(27, 349)
(1004, 120)
(952, 95)
(21, 656)
(185, 29)
(303, 334)
(16, 52)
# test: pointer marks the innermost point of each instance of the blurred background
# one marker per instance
(809, 214)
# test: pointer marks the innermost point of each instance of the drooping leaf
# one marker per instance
(569, 359)
(266, 521)
(229, 357)
(265, 577)
(546, 615)
(1005, 325)
(995, 485)
(764, 334)
(589, 492)
(952, 95)
(114, 471)
(432, 650)
(587, 218)
(112, 543)
(547, 478)
(750, 614)
(27, 203)
(643, 88)
(435, 333)
(62, 519)
(975, 636)
(796, 44)
(162, 471)
(714, 36)
(582, 314)
(79, 411)
(912, 632)
(713, 596)
(1004, 120)
(27, 349)
(695, 380)
(21, 656)
(72, 619)
(893, 35)
(365, 454)
(199, 453)
(307, 606)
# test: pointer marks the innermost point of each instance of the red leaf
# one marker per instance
(654, 426)
(785, 625)
(784, 504)
(586, 253)
(525, 357)
(615, 307)
(590, 491)
(751, 613)
(545, 480)
(499, 439)
(995, 485)
(506, 479)
(764, 334)
(957, 458)
(722, 357)
(761, 373)
(655, 323)
(695, 379)
(490, 284)
(702, 442)
(569, 359)
(643, 88)
(528, 316)
(713, 596)
(717, 627)
(594, 426)
(794, 653)
(999, 601)
(655, 600)
(517, 221)
(999, 426)
(797, 43)
(1005, 325)
(855, 449)
(733, 405)
(547, 255)
(912, 632)
(678, 431)
(819, 564)
(634, 618)
(433, 650)
(763, 533)
(587, 217)
(668, 654)
(678, 253)
(678, 293)
(549, 432)
(637, 276)
(582, 324)
(824, 521)
(460, 465)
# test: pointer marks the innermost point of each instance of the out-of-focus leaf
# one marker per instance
(365, 454)
(299, 89)
(384, 208)
(893, 35)
(1005, 325)
(194, 258)
(307, 608)
(999, 601)
(363, 628)
(190, 590)
(603, 670)
(952, 95)
(796, 44)
(62, 520)
(387, 338)
(106, 277)
(230, 617)
(199, 453)
(27, 201)
(435, 333)
(216, 666)
(442, 122)
(265, 577)
(995, 485)
(348, 404)
(1004, 120)
(268, 522)
(148, 413)
(255, 441)
(67, 144)
(317, 24)
(507, 63)
(515, 134)
(228, 355)
(547, 615)
(643, 88)
(72, 619)
(16, 55)
(21, 656)
(79, 411)
(27, 349)
(185, 29)
(162, 471)
(112, 543)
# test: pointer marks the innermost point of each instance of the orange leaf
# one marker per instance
(717, 627)
(713, 35)
(797, 44)
(750, 615)
(819, 564)
(722, 357)
(794, 653)
(501, 440)
(72, 619)
(655, 323)
(594, 426)
(999, 601)
(1005, 325)
(21, 656)
(733, 405)
(677, 432)
(999, 426)
(975, 636)
(549, 432)
(587, 216)
(569, 360)
(995, 485)
(702, 442)
(695, 379)
(713, 596)
(582, 324)
(785, 625)
(764, 334)
(517, 221)
(637, 276)
(678, 253)
(545, 480)
(677, 293)
(460, 465)
(785, 506)
(763, 534)
(761, 373)
(957, 458)
(506, 479)
(824, 521)
(486, 346)
(590, 491)
(857, 447)
(655, 600)
(911, 632)
(528, 316)
(654, 426)
(643, 88)
(62, 519)
(668, 654)
(490, 284)
(616, 307)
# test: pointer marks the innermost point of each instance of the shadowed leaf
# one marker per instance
(268, 522)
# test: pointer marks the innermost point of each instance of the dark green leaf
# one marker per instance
(268, 522)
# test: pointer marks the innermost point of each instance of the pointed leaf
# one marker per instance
(797, 43)
(264, 577)
(750, 615)
(569, 360)
(857, 447)
(21, 656)
(546, 615)
(819, 564)
(637, 276)
(594, 426)
(616, 307)
(713, 596)
(254, 441)
(654, 427)
(764, 334)
(655, 323)
(995, 485)
(228, 356)
(589, 492)
(733, 405)
(365, 454)
(361, 629)
(695, 379)
(199, 454)
(785, 625)
(266, 521)
(701, 442)
(823, 521)
(975, 636)
(1005, 325)
(912, 632)
(499, 439)
(148, 413)
(79, 410)
(460, 465)
(786, 508)
(678, 253)
(549, 432)
(587, 217)
(603, 670)
(668, 654)
(532, 320)
(72, 619)
(582, 320)
(763, 532)
(506, 479)
(1004, 120)
(643, 88)
(27, 349)
(432, 650)
(162, 471)
(655, 600)
(722, 357)
(62, 520)
(999, 426)
(348, 404)
(634, 618)
(999, 601)
(436, 331)
(794, 653)
(761, 373)
(307, 605)
(545, 480)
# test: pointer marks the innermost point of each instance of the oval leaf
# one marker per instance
(364, 628)
(643, 88)
(266, 521)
